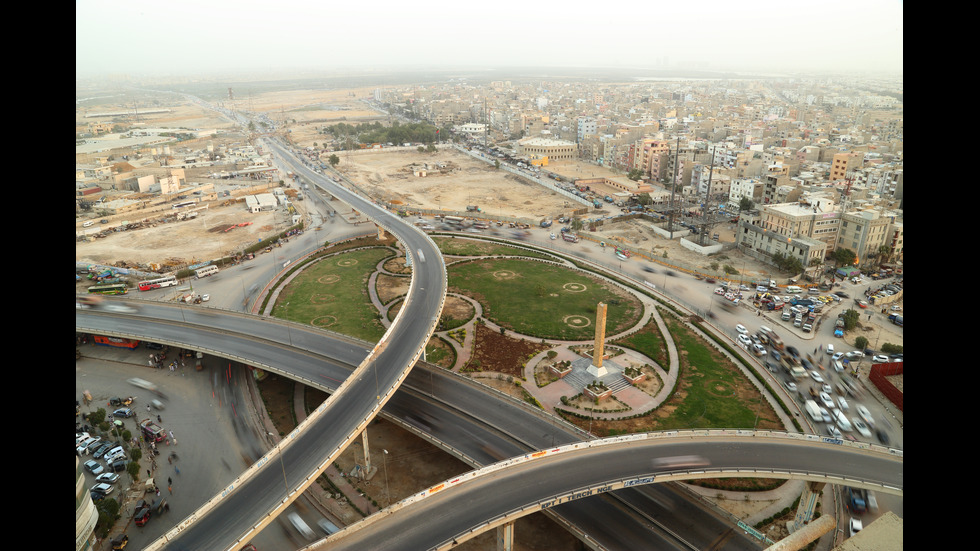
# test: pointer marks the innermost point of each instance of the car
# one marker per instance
(744, 339)
(880, 358)
(833, 431)
(103, 488)
(861, 303)
(861, 427)
(741, 329)
(826, 389)
(830, 349)
(806, 363)
(96, 496)
(115, 454)
(828, 402)
(825, 415)
(93, 467)
(816, 376)
(792, 351)
(854, 355)
(865, 415)
(841, 294)
(882, 436)
(758, 350)
(842, 404)
(837, 356)
(855, 526)
(107, 478)
(124, 412)
(776, 355)
(790, 386)
(807, 327)
(100, 451)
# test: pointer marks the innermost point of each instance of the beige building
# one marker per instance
(555, 150)
(865, 232)
(844, 163)
(816, 220)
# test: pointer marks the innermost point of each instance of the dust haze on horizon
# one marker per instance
(215, 38)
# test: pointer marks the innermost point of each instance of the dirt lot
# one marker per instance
(453, 180)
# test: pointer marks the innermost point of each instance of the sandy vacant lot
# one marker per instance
(453, 180)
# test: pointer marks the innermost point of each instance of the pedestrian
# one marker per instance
(176, 468)
(159, 420)
(147, 407)
(170, 480)
(148, 473)
(170, 488)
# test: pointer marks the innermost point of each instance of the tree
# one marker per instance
(431, 148)
(334, 160)
(861, 343)
(635, 174)
(745, 204)
(843, 257)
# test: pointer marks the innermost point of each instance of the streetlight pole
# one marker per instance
(387, 488)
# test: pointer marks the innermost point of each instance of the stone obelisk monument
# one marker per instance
(596, 369)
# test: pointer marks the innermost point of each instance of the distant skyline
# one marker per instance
(219, 37)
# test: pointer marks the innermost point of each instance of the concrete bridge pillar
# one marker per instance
(808, 502)
(505, 537)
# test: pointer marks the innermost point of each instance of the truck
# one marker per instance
(839, 327)
(596, 203)
(473, 208)
(570, 237)
(152, 431)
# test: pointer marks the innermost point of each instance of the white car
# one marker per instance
(833, 431)
(744, 339)
(830, 349)
(855, 526)
(816, 376)
(865, 415)
(758, 350)
(861, 427)
(842, 404)
(880, 358)
(741, 329)
(828, 402)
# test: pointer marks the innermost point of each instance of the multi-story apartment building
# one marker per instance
(744, 187)
(586, 127)
(844, 164)
(865, 232)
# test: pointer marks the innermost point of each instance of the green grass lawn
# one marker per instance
(332, 294)
(457, 246)
(543, 300)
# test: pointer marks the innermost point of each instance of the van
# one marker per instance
(327, 526)
(793, 289)
(787, 315)
(813, 291)
(300, 526)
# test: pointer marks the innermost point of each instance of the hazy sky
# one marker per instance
(186, 37)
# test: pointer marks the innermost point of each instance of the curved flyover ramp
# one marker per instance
(264, 490)
(458, 509)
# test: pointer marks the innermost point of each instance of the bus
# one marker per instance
(206, 271)
(168, 281)
(115, 342)
(184, 204)
(115, 289)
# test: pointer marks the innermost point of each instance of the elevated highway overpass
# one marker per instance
(266, 488)
(265, 343)
(458, 509)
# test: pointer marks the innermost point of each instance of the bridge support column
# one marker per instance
(505, 537)
(808, 502)
(369, 469)
(381, 234)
